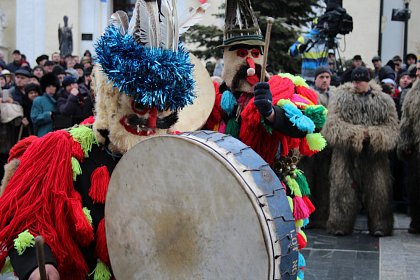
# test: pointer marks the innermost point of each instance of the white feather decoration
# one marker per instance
(168, 25)
(144, 25)
(190, 14)
(120, 20)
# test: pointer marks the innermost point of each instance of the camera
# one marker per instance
(335, 21)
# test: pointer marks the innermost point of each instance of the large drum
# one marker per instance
(200, 205)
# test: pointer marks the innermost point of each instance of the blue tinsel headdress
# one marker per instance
(152, 76)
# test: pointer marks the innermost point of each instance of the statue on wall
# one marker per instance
(65, 38)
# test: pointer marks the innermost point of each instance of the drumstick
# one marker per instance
(39, 244)
(270, 21)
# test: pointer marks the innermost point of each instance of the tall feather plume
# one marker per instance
(169, 25)
(120, 20)
(191, 13)
(144, 25)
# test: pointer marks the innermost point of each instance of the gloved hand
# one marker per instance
(263, 99)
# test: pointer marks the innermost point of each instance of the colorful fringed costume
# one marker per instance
(56, 185)
(48, 187)
(295, 103)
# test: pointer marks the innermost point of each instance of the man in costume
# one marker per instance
(361, 127)
(408, 149)
(56, 185)
(275, 117)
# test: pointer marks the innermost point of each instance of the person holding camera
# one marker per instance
(314, 51)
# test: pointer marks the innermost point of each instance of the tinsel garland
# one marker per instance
(152, 76)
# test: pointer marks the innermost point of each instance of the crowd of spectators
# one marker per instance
(53, 94)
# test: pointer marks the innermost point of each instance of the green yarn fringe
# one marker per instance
(85, 137)
(24, 240)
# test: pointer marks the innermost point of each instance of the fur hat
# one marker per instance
(49, 79)
(33, 87)
(41, 58)
(360, 74)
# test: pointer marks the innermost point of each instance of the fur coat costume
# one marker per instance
(409, 149)
(360, 169)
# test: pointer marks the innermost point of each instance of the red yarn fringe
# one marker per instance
(101, 249)
(20, 147)
(301, 241)
(309, 204)
(99, 181)
(76, 150)
(253, 134)
(308, 93)
(281, 88)
(89, 120)
(38, 198)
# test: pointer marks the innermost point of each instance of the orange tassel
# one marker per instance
(301, 241)
(101, 249)
(309, 204)
(300, 210)
(99, 181)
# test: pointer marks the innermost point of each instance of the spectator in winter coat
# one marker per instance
(44, 106)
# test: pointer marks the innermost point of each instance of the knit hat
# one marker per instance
(376, 58)
(322, 69)
(360, 74)
(68, 80)
(58, 70)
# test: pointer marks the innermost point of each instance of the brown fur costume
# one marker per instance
(409, 149)
(360, 168)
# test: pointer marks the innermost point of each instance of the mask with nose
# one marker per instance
(144, 77)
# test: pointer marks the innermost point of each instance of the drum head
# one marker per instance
(194, 116)
(176, 210)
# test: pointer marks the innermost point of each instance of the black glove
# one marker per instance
(263, 99)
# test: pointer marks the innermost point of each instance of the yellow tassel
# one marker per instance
(290, 203)
(24, 240)
(293, 186)
(87, 214)
(85, 137)
(299, 223)
(101, 272)
(283, 102)
(75, 166)
(316, 141)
